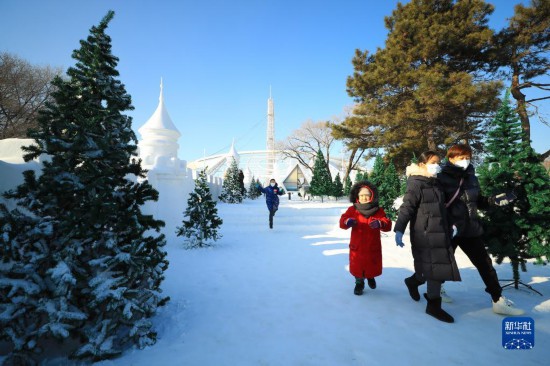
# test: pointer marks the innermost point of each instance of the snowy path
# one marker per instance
(284, 297)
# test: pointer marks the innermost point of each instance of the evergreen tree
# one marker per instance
(321, 183)
(403, 179)
(521, 229)
(253, 192)
(376, 176)
(203, 221)
(426, 87)
(522, 48)
(231, 188)
(337, 187)
(386, 180)
(359, 176)
(391, 189)
(347, 185)
(83, 264)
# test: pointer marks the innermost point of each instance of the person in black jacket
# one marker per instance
(241, 183)
(463, 197)
(430, 232)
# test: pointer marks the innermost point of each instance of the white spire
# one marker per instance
(159, 136)
(233, 152)
(160, 120)
(270, 141)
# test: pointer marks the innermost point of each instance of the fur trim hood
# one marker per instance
(414, 169)
(354, 191)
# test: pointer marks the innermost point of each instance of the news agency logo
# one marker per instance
(518, 333)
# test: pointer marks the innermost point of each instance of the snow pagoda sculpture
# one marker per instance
(158, 150)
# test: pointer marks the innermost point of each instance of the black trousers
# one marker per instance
(271, 214)
(474, 248)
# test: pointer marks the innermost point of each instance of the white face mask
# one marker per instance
(272, 184)
(463, 164)
(433, 169)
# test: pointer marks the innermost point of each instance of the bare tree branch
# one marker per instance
(537, 99)
(304, 143)
(24, 90)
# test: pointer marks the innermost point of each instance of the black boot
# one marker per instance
(412, 284)
(371, 282)
(359, 287)
(434, 309)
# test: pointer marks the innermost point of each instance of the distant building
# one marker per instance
(264, 164)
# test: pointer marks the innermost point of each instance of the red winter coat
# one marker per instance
(365, 248)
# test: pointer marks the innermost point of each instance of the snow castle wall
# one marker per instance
(174, 182)
(169, 176)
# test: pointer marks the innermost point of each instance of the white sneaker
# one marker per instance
(444, 297)
(506, 307)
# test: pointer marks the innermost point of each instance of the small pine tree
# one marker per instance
(203, 221)
(321, 184)
(376, 177)
(392, 190)
(359, 176)
(347, 185)
(231, 187)
(386, 179)
(403, 179)
(82, 266)
(253, 192)
(337, 187)
(521, 229)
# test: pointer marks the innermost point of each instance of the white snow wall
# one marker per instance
(171, 178)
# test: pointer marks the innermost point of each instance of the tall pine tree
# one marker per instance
(82, 263)
(203, 222)
(321, 183)
(231, 188)
(426, 87)
(521, 229)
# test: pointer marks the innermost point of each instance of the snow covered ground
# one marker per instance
(285, 297)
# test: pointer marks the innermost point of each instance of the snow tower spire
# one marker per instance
(270, 144)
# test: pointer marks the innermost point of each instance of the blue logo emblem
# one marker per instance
(518, 333)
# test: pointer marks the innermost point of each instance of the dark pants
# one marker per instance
(433, 287)
(474, 248)
(271, 214)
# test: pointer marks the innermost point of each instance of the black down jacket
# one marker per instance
(463, 211)
(424, 207)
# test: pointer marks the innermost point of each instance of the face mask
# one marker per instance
(272, 184)
(463, 164)
(433, 169)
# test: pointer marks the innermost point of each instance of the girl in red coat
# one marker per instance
(366, 219)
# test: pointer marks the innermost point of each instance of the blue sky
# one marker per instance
(219, 58)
